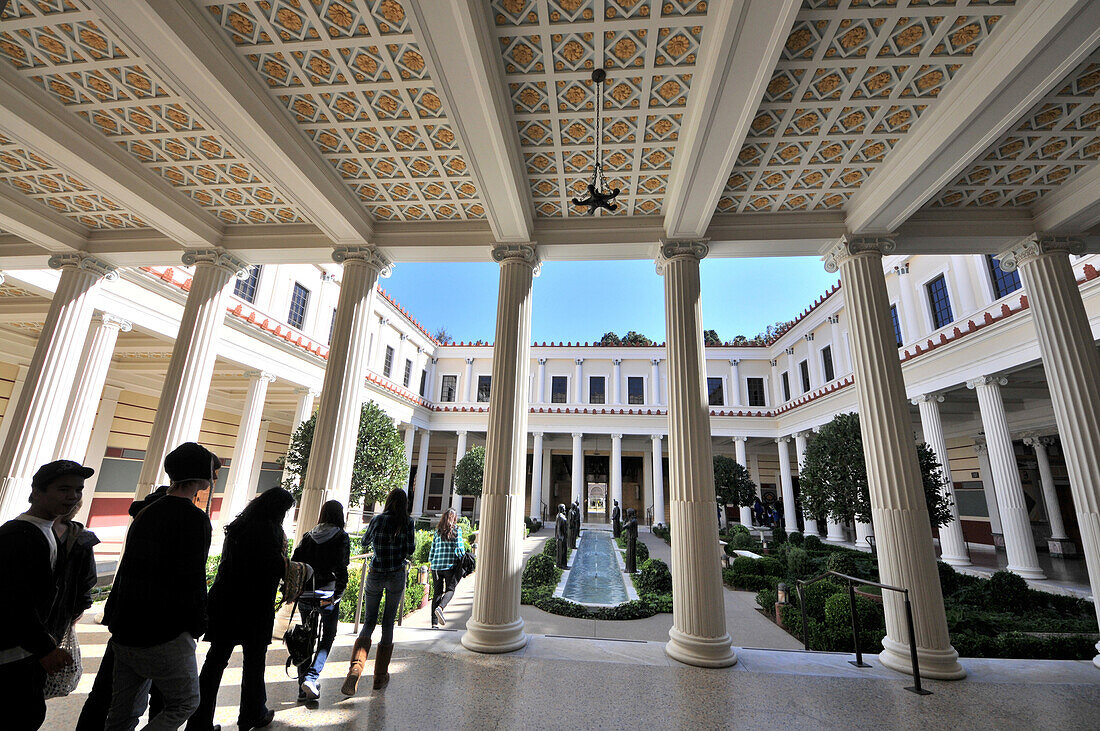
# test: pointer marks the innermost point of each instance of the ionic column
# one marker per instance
(1015, 522)
(421, 474)
(536, 477)
(1072, 367)
(790, 515)
(698, 635)
(97, 447)
(808, 520)
(863, 532)
(460, 452)
(235, 496)
(655, 382)
(333, 456)
(735, 382)
(34, 420)
(540, 393)
(986, 472)
(908, 314)
(1050, 497)
(303, 410)
(90, 379)
(577, 473)
(739, 444)
(467, 380)
(495, 624)
(578, 381)
(658, 480)
(617, 381)
(952, 543)
(410, 442)
(904, 536)
(187, 383)
(258, 458)
(617, 468)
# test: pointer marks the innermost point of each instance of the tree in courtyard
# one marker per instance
(379, 457)
(636, 338)
(740, 340)
(470, 473)
(710, 337)
(833, 476)
(610, 339)
(732, 484)
(442, 337)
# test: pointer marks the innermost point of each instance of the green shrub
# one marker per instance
(767, 598)
(663, 532)
(423, 549)
(853, 563)
(795, 539)
(540, 570)
(779, 535)
(811, 543)
(838, 613)
(949, 577)
(798, 563)
(769, 566)
(815, 595)
(738, 529)
(550, 548)
(654, 577)
(1008, 591)
(641, 553)
(742, 541)
(745, 582)
(746, 565)
(534, 525)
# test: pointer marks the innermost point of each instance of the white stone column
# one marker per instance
(577, 473)
(863, 532)
(467, 381)
(813, 360)
(421, 473)
(655, 382)
(964, 290)
(379, 345)
(808, 520)
(835, 531)
(698, 635)
(786, 484)
(13, 397)
(617, 468)
(187, 383)
(410, 442)
(907, 308)
(235, 496)
(617, 381)
(735, 382)
(34, 421)
(258, 458)
(1046, 480)
(495, 624)
(333, 455)
(777, 386)
(1072, 367)
(540, 393)
(578, 381)
(658, 480)
(536, 477)
(460, 452)
(839, 347)
(952, 543)
(739, 444)
(303, 410)
(97, 447)
(90, 379)
(1015, 521)
(448, 501)
(986, 472)
(904, 536)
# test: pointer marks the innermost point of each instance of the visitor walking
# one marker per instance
(327, 550)
(447, 550)
(758, 511)
(75, 571)
(157, 607)
(29, 552)
(242, 608)
(392, 536)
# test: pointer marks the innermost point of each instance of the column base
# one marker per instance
(836, 539)
(811, 529)
(494, 638)
(934, 664)
(956, 560)
(1027, 573)
(703, 652)
(1061, 547)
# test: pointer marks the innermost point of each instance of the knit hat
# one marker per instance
(191, 461)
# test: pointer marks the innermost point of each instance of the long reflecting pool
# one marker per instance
(595, 576)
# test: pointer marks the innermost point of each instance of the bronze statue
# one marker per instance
(631, 529)
(616, 519)
(574, 524)
(561, 535)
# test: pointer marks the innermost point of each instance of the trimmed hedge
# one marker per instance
(540, 570)
(654, 577)
(812, 543)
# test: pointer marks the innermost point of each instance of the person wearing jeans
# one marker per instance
(447, 550)
(171, 666)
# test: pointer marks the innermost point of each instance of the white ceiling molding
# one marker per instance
(38, 224)
(1072, 208)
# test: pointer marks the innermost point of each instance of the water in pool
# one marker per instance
(595, 577)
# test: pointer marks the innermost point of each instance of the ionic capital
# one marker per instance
(926, 398)
(217, 257)
(517, 254)
(901, 269)
(773, 363)
(260, 376)
(696, 249)
(1036, 245)
(789, 351)
(368, 255)
(617, 361)
(461, 432)
(808, 337)
(85, 262)
(655, 361)
(542, 361)
(984, 381)
(779, 440)
(656, 437)
(469, 361)
(402, 336)
(739, 439)
(616, 437)
(579, 361)
(850, 245)
(578, 435)
(735, 362)
(114, 321)
(834, 319)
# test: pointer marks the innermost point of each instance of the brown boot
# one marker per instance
(382, 666)
(358, 662)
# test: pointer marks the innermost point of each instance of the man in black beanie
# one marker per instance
(157, 608)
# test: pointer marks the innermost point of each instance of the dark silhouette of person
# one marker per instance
(616, 519)
(758, 511)
(631, 530)
(574, 524)
(561, 536)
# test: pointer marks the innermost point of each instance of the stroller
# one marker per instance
(303, 640)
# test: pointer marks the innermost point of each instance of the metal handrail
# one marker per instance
(858, 662)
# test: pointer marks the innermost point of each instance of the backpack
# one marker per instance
(302, 640)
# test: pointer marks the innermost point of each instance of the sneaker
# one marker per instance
(438, 616)
(311, 690)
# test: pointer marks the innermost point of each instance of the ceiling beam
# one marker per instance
(1035, 49)
(39, 224)
(464, 60)
(736, 66)
(185, 48)
(30, 115)
(1072, 208)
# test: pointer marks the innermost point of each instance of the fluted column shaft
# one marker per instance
(1015, 521)
(90, 379)
(421, 473)
(334, 437)
(739, 444)
(617, 382)
(902, 529)
(809, 521)
(187, 383)
(13, 397)
(698, 635)
(577, 473)
(97, 447)
(786, 484)
(460, 452)
(735, 382)
(410, 442)
(952, 542)
(578, 381)
(495, 624)
(35, 419)
(658, 480)
(303, 410)
(1050, 497)
(536, 477)
(1072, 367)
(467, 381)
(617, 468)
(237, 483)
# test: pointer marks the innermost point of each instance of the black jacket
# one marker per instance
(76, 576)
(160, 587)
(28, 581)
(328, 556)
(242, 599)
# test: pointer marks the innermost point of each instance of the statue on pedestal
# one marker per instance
(574, 524)
(561, 535)
(631, 529)
(616, 519)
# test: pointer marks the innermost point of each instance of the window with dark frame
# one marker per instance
(827, 363)
(299, 301)
(804, 373)
(408, 373)
(755, 388)
(1004, 283)
(448, 389)
(387, 364)
(786, 381)
(635, 390)
(897, 324)
(483, 384)
(331, 327)
(597, 390)
(715, 396)
(246, 288)
(940, 302)
(559, 389)
(423, 383)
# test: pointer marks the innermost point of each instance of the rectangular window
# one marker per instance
(448, 389)
(387, 365)
(715, 397)
(408, 373)
(1004, 283)
(827, 363)
(940, 302)
(897, 324)
(786, 380)
(483, 383)
(246, 288)
(597, 390)
(635, 390)
(804, 372)
(755, 387)
(559, 389)
(299, 301)
(331, 327)
(423, 382)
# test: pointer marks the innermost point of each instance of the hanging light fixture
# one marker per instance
(599, 196)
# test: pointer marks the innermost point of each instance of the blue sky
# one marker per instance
(580, 301)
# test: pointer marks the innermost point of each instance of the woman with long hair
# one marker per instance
(447, 549)
(327, 550)
(392, 536)
(241, 608)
